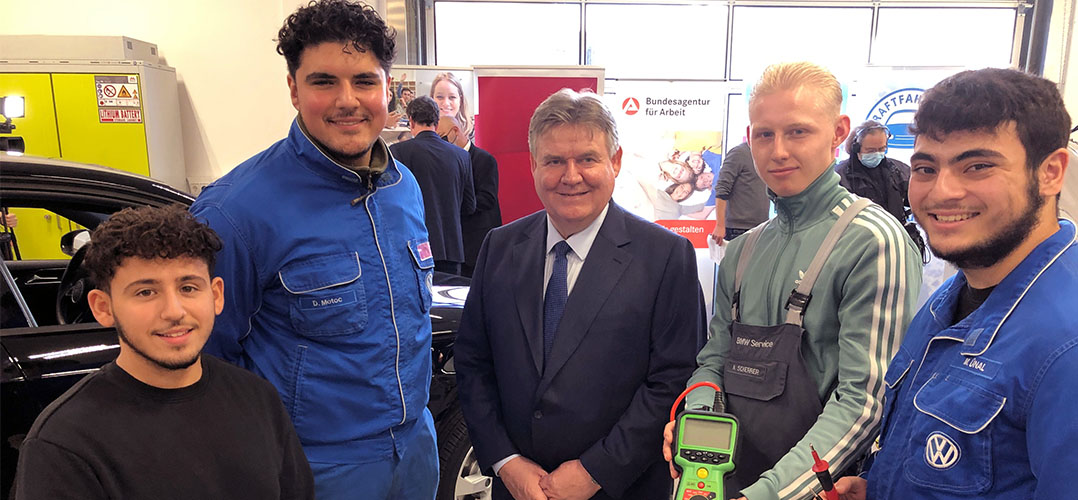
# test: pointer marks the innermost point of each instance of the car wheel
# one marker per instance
(460, 476)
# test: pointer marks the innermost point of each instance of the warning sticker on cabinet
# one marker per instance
(118, 99)
(120, 115)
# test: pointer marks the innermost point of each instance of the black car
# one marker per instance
(50, 341)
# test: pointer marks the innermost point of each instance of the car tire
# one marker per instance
(459, 472)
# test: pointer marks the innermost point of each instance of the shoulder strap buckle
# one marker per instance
(798, 301)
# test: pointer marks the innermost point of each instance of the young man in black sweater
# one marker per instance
(162, 421)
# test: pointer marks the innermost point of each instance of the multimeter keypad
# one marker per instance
(705, 457)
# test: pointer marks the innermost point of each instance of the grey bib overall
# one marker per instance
(767, 384)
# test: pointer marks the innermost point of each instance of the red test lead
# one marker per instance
(820, 467)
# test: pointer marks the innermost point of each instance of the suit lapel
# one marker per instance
(601, 272)
(528, 261)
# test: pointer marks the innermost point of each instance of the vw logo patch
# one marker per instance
(430, 282)
(941, 452)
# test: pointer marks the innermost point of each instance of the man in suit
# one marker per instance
(581, 326)
(444, 174)
(488, 214)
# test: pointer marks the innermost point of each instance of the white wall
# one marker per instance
(1059, 59)
(1061, 66)
(233, 97)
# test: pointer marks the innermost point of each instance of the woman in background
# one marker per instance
(449, 94)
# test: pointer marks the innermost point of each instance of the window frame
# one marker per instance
(1019, 43)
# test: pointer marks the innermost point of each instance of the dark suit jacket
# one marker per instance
(444, 174)
(488, 214)
(624, 349)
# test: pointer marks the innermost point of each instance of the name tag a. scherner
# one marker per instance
(746, 370)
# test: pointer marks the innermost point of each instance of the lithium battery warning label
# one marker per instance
(118, 99)
(120, 115)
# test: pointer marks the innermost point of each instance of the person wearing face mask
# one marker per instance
(870, 174)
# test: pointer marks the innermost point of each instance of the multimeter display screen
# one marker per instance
(706, 433)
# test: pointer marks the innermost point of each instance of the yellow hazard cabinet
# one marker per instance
(102, 100)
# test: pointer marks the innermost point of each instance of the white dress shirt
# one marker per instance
(579, 246)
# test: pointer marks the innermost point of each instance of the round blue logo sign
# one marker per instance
(895, 110)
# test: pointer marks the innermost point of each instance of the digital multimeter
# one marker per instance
(705, 445)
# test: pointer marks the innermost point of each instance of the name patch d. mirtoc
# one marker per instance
(341, 298)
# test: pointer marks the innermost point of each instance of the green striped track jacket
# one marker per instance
(861, 304)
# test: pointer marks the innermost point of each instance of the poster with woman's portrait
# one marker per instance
(452, 88)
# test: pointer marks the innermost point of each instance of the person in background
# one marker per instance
(805, 366)
(162, 420)
(488, 213)
(580, 326)
(981, 395)
(449, 93)
(398, 115)
(9, 221)
(333, 308)
(869, 173)
(406, 97)
(741, 201)
(444, 174)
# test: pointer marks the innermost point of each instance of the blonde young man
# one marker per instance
(800, 369)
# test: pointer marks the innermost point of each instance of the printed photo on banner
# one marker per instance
(451, 88)
(674, 178)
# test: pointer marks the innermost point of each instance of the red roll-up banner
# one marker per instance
(507, 98)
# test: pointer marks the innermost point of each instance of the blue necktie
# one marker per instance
(557, 292)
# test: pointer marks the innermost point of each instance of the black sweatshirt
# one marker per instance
(227, 436)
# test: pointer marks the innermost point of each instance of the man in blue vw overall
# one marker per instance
(328, 265)
(981, 395)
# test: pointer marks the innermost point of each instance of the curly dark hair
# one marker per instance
(336, 21)
(423, 111)
(148, 233)
(982, 100)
